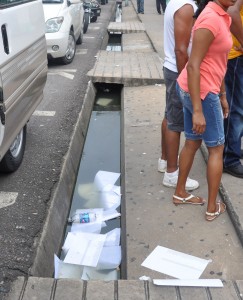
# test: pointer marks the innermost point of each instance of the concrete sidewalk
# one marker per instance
(148, 215)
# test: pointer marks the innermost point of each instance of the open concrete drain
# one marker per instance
(92, 250)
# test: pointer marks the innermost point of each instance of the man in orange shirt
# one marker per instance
(233, 125)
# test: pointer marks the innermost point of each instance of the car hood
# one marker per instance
(51, 10)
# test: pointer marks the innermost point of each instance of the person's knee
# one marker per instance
(193, 145)
(218, 150)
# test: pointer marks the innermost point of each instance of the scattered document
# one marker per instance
(110, 200)
(105, 181)
(189, 282)
(110, 258)
(113, 238)
(175, 264)
(92, 273)
(63, 270)
(94, 227)
(83, 248)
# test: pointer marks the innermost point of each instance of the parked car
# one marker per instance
(64, 28)
(23, 73)
(95, 10)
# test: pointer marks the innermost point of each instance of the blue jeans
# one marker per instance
(140, 6)
(212, 110)
(233, 125)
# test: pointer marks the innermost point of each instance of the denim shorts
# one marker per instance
(174, 109)
(213, 114)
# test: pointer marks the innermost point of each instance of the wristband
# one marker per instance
(221, 94)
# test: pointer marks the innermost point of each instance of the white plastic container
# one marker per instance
(86, 217)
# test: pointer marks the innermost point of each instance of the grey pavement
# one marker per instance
(149, 218)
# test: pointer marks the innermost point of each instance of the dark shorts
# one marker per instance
(174, 109)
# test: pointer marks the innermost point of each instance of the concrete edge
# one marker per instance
(55, 224)
(123, 273)
(49, 288)
(227, 200)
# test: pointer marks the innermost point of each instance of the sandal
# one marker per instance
(212, 216)
(187, 200)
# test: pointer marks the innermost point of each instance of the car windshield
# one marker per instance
(52, 1)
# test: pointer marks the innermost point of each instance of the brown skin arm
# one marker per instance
(201, 41)
(236, 26)
(223, 100)
(183, 22)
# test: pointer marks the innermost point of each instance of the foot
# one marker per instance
(189, 199)
(221, 208)
(170, 181)
(162, 165)
(159, 12)
(236, 171)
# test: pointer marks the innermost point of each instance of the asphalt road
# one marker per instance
(25, 194)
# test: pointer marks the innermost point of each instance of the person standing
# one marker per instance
(140, 6)
(160, 4)
(202, 92)
(233, 125)
(178, 22)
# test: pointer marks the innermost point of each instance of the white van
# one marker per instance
(23, 73)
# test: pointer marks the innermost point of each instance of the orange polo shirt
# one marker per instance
(213, 66)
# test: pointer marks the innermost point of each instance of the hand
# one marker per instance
(225, 106)
(199, 123)
(240, 48)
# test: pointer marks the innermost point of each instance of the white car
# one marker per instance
(64, 28)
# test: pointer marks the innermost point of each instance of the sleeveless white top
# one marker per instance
(169, 39)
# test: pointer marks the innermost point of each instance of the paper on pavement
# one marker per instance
(189, 282)
(175, 264)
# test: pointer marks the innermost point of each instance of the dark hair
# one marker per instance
(201, 6)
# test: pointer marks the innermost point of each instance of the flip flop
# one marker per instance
(212, 216)
(187, 200)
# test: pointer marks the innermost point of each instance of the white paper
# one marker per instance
(56, 266)
(63, 270)
(189, 282)
(94, 227)
(83, 248)
(113, 238)
(110, 214)
(110, 258)
(110, 200)
(93, 274)
(104, 181)
(175, 264)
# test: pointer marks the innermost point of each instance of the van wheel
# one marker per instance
(80, 38)
(71, 49)
(86, 21)
(13, 158)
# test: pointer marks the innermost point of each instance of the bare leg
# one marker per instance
(214, 174)
(186, 158)
(163, 142)
(172, 149)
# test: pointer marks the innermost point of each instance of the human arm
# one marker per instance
(202, 39)
(183, 22)
(223, 100)
(236, 25)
